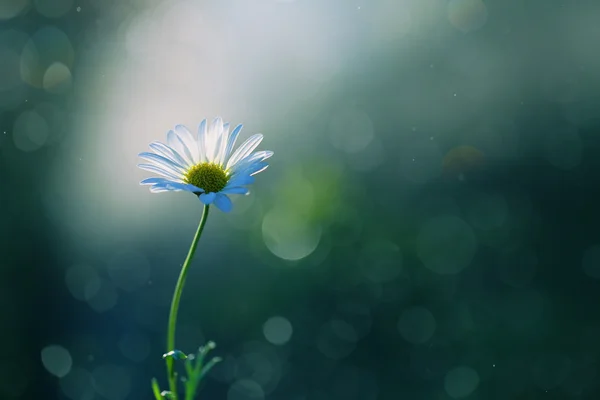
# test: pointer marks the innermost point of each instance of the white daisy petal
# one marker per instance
(245, 149)
(153, 180)
(158, 189)
(178, 186)
(222, 145)
(160, 171)
(185, 154)
(257, 168)
(163, 162)
(188, 140)
(174, 141)
(212, 139)
(231, 141)
(202, 140)
(251, 159)
(169, 152)
(240, 180)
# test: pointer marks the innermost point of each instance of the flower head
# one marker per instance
(206, 164)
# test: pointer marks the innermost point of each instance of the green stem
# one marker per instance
(175, 304)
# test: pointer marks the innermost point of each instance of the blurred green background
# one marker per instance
(428, 227)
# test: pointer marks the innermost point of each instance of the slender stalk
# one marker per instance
(175, 304)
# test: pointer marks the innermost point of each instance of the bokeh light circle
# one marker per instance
(57, 78)
(53, 8)
(461, 381)
(30, 131)
(245, 389)
(57, 360)
(112, 382)
(83, 282)
(337, 339)
(446, 244)
(288, 235)
(12, 8)
(77, 385)
(351, 130)
(417, 325)
(467, 15)
(47, 46)
(278, 330)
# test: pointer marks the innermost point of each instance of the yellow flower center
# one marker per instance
(208, 176)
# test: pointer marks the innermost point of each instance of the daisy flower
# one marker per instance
(205, 164)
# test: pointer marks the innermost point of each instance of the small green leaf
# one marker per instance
(167, 395)
(156, 390)
(175, 354)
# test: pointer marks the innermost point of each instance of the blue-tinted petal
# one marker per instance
(162, 161)
(208, 198)
(251, 169)
(240, 180)
(222, 145)
(188, 140)
(177, 186)
(245, 149)
(212, 139)
(154, 180)
(169, 152)
(234, 190)
(160, 171)
(223, 202)
(159, 189)
(202, 140)
(251, 159)
(174, 141)
(231, 141)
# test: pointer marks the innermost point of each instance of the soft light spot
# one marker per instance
(47, 46)
(12, 8)
(351, 130)
(446, 245)
(245, 389)
(30, 131)
(460, 382)
(112, 382)
(277, 330)
(53, 8)
(105, 298)
(82, 281)
(417, 325)
(337, 339)
(467, 15)
(57, 78)
(57, 360)
(77, 385)
(288, 235)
